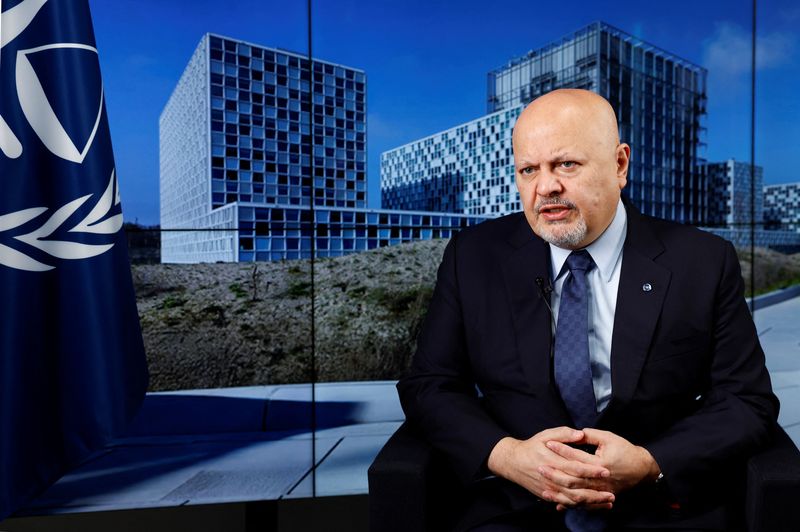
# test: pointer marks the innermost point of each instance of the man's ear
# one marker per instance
(623, 163)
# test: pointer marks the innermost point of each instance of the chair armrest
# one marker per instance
(411, 486)
(773, 487)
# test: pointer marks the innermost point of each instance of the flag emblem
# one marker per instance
(43, 234)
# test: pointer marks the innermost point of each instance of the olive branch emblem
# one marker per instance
(96, 222)
(42, 119)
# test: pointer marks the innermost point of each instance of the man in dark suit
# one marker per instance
(583, 365)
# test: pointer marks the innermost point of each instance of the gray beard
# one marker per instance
(567, 238)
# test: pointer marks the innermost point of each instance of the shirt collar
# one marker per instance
(605, 251)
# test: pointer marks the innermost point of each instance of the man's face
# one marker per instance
(568, 172)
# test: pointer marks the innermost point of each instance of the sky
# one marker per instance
(426, 64)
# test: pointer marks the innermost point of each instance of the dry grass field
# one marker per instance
(220, 325)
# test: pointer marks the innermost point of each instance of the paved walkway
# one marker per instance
(234, 445)
(779, 331)
(246, 444)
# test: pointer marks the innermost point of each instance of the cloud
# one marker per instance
(728, 51)
(775, 49)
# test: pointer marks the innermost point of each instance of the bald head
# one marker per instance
(570, 166)
(588, 116)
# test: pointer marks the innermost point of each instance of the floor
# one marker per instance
(779, 331)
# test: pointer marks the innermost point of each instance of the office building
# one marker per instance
(660, 103)
(248, 138)
(659, 98)
(467, 169)
(730, 197)
(730, 201)
(782, 206)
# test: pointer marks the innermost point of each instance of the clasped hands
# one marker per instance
(547, 466)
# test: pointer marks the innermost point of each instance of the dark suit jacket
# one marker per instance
(687, 370)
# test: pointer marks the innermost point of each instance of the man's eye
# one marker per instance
(528, 170)
(568, 164)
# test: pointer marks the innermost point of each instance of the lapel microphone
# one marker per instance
(544, 293)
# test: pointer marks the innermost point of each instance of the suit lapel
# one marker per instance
(636, 316)
(531, 318)
(642, 287)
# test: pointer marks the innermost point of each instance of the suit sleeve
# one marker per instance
(438, 394)
(738, 412)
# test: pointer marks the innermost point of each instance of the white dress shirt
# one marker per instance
(603, 281)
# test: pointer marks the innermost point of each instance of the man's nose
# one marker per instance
(548, 184)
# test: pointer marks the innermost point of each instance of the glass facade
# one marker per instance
(729, 201)
(468, 169)
(250, 124)
(659, 98)
(267, 111)
(782, 206)
(185, 167)
(249, 135)
(276, 232)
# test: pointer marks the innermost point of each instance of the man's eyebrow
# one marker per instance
(566, 155)
(561, 151)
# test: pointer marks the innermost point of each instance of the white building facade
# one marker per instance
(731, 202)
(263, 157)
(467, 169)
(782, 206)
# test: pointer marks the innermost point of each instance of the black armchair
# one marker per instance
(411, 489)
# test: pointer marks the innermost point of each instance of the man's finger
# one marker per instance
(578, 497)
(579, 469)
(566, 480)
(571, 453)
(559, 498)
(597, 437)
(601, 506)
(564, 434)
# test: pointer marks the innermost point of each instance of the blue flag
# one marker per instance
(72, 364)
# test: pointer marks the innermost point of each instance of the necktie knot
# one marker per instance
(580, 261)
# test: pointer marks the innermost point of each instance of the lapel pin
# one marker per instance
(647, 287)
